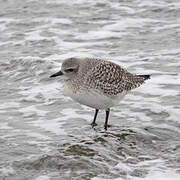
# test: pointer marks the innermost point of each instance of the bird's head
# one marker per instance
(69, 69)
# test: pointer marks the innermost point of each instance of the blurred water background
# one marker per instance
(46, 136)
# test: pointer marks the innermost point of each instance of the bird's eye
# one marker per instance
(69, 70)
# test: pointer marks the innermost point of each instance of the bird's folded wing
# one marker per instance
(110, 78)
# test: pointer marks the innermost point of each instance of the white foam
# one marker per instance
(151, 3)
(158, 175)
(5, 125)
(122, 8)
(4, 22)
(73, 54)
(156, 89)
(3, 27)
(166, 79)
(73, 114)
(174, 5)
(43, 177)
(166, 27)
(155, 175)
(125, 23)
(54, 20)
(101, 178)
(12, 104)
(49, 91)
(31, 110)
(35, 36)
(6, 171)
(164, 52)
(76, 45)
(37, 135)
(52, 125)
(99, 34)
(174, 113)
(56, 125)
(121, 167)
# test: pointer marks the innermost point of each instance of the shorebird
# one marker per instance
(97, 83)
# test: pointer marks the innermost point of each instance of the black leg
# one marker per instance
(95, 115)
(107, 116)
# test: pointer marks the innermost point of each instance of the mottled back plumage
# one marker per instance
(105, 76)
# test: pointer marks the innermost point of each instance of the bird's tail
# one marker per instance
(145, 76)
(136, 81)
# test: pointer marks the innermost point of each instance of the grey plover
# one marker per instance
(97, 83)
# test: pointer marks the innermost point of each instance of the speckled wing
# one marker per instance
(111, 79)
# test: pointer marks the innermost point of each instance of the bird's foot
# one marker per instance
(93, 124)
(106, 126)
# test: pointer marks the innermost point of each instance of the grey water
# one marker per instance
(46, 136)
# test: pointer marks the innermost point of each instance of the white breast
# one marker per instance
(93, 98)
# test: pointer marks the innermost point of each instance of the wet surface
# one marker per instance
(46, 136)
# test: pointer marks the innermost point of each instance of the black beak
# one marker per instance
(57, 74)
